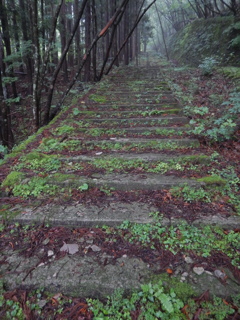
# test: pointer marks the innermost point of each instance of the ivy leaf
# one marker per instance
(83, 187)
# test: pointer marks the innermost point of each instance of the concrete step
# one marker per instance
(156, 130)
(128, 114)
(124, 182)
(168, 120)
(148, 142)
(148, 98)
(132, 107)
(148, 157)
(111, 213)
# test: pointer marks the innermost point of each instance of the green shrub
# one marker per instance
(207, 66)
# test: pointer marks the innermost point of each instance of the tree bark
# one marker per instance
(87, 68)
(36, 59)
(63, 36)
(7, 41)
(25, 27)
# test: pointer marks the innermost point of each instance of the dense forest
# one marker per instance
(48, 46)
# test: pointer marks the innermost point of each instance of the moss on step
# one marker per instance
(98, 98)
(34, 155)
(195, 159)
(60, 177)
(213, 180)
(13, 178)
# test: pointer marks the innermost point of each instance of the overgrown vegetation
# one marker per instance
(152, 301)
(220, 126)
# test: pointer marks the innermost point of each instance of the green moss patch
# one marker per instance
(13, 178)
(98, 98)
(211, 180)
(195, 159)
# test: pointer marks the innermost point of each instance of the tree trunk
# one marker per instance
(63, 36)
(6, 135)
(163, 36)
(87, 68)
(25, 27)
(36, 59)
(6, 40)
(78, 51)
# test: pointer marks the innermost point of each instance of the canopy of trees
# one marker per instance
(46, 42)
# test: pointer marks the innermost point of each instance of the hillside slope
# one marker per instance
(218, 37)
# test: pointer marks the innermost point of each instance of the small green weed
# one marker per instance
(155, 301)
(222, 126)
(39, 162)
(35, 187)
(190, 194)
(49, 145)
(183, 237)
(63, 130)
(97, 98)
(83, 187)
(215, 309)
(207, 66)
(76, 111)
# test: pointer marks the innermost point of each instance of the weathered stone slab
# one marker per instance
(137, 106)
(169, 119)
(127, 182)
(80, 215)
(88, 274)
(76, 275)
(153, 129)
(111, 214)
(141, 141)
(125, 156)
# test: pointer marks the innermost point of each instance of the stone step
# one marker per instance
(141, 92)
(124, 182)
(112, 213)
(128, 114)
(94, 272)
(128, 101)
(148, 157)
(135, 96)
(168, 120)
(149, 142)
(156, 130)
(145, 131)
(144, 157)
(134, 106)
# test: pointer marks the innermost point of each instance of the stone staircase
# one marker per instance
(130, 117)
